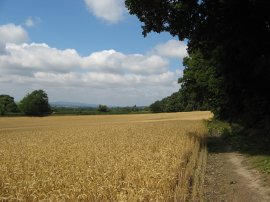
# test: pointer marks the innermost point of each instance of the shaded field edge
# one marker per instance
(253, 143)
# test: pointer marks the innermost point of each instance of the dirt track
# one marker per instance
(229, 179)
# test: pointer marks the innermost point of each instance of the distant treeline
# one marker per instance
(36, 104)
(101, 109)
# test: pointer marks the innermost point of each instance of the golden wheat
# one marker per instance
(152, 157)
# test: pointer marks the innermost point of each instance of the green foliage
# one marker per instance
(200, 88)
(201, 84)
(157, 107)
(219, 128)
(7, 105)
(262, 162)
(35, 104)
(103, 108)
(230, 42)
(95, 111)
(176, 17)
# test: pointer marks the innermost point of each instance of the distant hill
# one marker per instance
(72, 104)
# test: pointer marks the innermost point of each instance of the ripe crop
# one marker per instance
(151, 157)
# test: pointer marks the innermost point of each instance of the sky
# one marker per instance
(85, 51)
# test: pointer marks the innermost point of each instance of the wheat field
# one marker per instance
(150, 157)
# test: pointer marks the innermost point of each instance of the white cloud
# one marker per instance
(107, 76)
(142, 64)
(109, 10)
(95, 87)
(107, 60)
(38, 57)
(41, 57)
(172, 49)
(10, 33)
(95, 79)
(132, 78)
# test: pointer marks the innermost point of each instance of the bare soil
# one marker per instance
(228, 178)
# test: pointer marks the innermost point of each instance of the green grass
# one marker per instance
(218, 128)
(262, 162)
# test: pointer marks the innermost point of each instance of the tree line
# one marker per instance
(200, 88)
(100, 109)
(36, 104)
(228, 67)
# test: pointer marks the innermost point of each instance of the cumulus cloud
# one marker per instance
(142, 64)
(111, 77)
(109, 10)
(41, 65)
(172, 49)
(11, 33)
(41, 57)
(106, 60)
(38, 56)
(105, 80)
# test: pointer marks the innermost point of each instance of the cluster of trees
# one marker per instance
(130, 109)
(7, 105)
(126, 110)
(228, 67)
(201, 88)
(103, 108)
(33, 104)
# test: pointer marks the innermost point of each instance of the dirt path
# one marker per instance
(227, 178)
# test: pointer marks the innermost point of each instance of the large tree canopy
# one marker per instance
(232, 37)
(176, 17)
(35, 104)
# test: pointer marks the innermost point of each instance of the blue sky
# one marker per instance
(84, 51)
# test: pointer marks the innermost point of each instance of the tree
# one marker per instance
(157, 107)
(172, 103)
(35, 104)
(7, 105)
(103, 108)
(135, 108)
(201, 84)
(233, 35)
